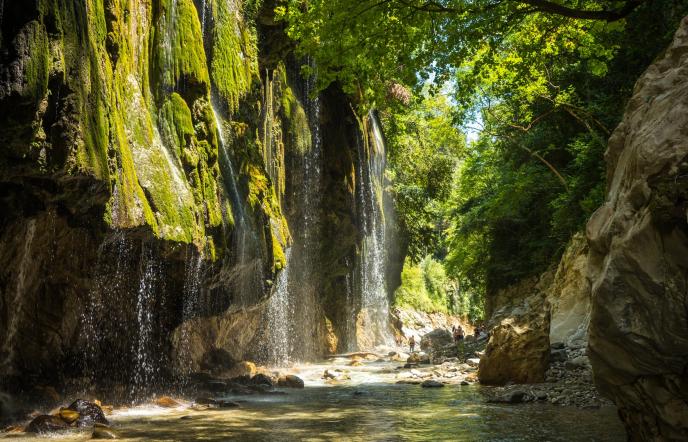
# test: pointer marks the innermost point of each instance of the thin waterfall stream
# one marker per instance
(374, 300)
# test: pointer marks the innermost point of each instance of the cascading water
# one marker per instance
(16, 306)
(145, 367)
(247, 274)
(293, 310)
(374, 303)
(280, 311)
(107, 286)
(190, 309)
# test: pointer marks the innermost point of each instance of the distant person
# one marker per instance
(458, 334)
(458, 340)
(412, 343)
(477, 332)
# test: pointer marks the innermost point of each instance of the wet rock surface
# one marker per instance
(290, 381)
(89, 413)
(45, 424)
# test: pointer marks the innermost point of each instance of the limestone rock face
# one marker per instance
(569, 296)
(638, 344)
(518, 349)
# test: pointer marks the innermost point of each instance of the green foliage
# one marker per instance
(427, 287)
(423, 286)
(536, 173)
(540, 91)
(424, 147)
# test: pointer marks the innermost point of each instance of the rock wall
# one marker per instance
(569, 297)
(638, 241)
(146, 157)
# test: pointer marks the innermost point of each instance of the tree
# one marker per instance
(424, 148)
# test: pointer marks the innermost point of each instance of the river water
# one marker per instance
(369, 407)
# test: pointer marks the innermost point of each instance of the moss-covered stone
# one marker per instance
(180, 61)
(234, 65)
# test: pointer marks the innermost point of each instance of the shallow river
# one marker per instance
(370, 407)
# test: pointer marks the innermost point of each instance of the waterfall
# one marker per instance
(17, 301)
(374, 302)
(293, 314)
(190, 309)
(145, 367)
(246, 276)
(279, 341)
(303, 291)
(204, 6)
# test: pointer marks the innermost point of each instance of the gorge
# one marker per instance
(202, 213)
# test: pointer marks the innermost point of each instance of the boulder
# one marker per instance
(473, 362)
(46, 424)
(518, 349)
(262, 379)
(290, 381)
(638, 264)
(68, 415)
(436, 340)
(89, 413)
(217, 360)
(511, 397)
(431, 383)
(166, 402)
(558, 355)
(335, 374)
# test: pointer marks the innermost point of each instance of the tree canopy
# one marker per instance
(537, 84)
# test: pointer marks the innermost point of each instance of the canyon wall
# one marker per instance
(638, 262)
(153, 157)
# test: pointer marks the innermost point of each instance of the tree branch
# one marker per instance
(585, 14)
(544, 6)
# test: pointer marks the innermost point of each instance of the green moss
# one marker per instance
(176, 124)
(209, 180)
(234, 62)
(299, 138)
(278, 256)
(179, 56)
(129, 206)
(37, 66)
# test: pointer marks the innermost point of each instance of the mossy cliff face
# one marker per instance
(150, 155)
(109, 138)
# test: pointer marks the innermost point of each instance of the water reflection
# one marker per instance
(371, 412)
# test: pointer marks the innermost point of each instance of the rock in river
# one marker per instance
(436, 340)
(166, 402)
(290, 381)
(518, 350)
(46, 424)
(431, 383)
(89, 413)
